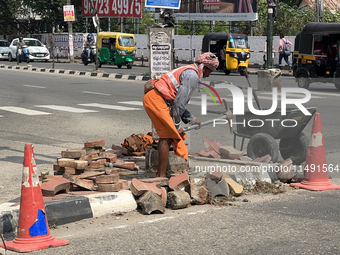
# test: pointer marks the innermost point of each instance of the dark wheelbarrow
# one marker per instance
(263, 130)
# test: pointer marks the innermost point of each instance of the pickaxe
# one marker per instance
(227, 115)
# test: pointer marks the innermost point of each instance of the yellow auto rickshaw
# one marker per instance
(116, 49)
(231, 49)
(318, 54)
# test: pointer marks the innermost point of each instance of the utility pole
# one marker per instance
(70, 36)
(97, 25)
(270, 38)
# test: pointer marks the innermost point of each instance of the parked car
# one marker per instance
(37, 50)
(4, 49)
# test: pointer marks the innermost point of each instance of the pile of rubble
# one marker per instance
(154, 195)
(91, 168)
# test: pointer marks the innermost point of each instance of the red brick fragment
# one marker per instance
(73, 153)
(204, 153)
(111, 178)
(123, 150)
(55, 185)
(125, 184)
(179, 181)
(109, 187)
(94, 164)
(214, 154)
(112, 158)
(94, 143)
(264, 159)
(87, 184)
(138, 188)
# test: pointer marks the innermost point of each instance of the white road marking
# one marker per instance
(1, 116)
(138, 103)
(191, 213)
(113, 107)
(65, 108)
(156, 220)
(23, 110)
(325, 94)
(96, 93)
(33, 86)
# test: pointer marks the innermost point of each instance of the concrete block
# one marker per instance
(55, 185)
(178, 199)
(268, 79)
(178, 182)
(218, 189)
(151, 202)
(198, 191)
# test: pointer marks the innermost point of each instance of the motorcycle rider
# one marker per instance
(88, 43)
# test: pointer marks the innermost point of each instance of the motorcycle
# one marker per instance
(89, 52)
(24, 54)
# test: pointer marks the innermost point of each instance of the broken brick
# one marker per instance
(236, 189)
(111, 178)
(94, 143)
(221, 188)
(151, 202)
(123, 150)
(161, 181)
(178, 182)
(55, 185)
(245, 158)
(87, 184)
(264, 159)
(129, 164)
(80, 164)
(66, 162)
(138, 188)
(198, 191)
(89, 174)
(94, 164)
(209, 146)
(164, 195)
(178, 199)
(229, 152)
(124, 184)
(215, 146)
(73, 153)
(112, 158)
(71, 170)
(109, 187)
(214, 175)
(204, 153)
(214, 154)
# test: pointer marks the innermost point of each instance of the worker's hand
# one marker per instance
(196, 121)
(180, 131)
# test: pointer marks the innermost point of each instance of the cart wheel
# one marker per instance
(119, 66)
(294, 148)
(262, 144)
(303, 81)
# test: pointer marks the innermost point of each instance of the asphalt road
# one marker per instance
(69, 110)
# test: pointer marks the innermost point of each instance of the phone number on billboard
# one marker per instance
(113, 8)
(319, 168)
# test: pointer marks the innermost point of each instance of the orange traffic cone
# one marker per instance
(33, 231)
(316, 168)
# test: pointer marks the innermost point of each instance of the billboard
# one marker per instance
(169, 4)
(113, 8)
(219, 10)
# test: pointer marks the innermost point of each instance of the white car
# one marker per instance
(37, 50)
(4, 49)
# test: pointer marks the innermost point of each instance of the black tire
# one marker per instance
(294, 148)
(226, 71)
(262, 144)
(241, 70)
(337, 85)
(303, 81)
(27, 60)
(119, 66)
(99, 64)
(129, 66)
(10, 58)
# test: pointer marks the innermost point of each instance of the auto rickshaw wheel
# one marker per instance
(119, 66)
(337, 85)
(262, 144)
(294, 148)
(241, 70)
(303, 81)
(129, 66)
(226, 71)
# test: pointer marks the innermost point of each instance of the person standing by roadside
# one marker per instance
(165, 104)
(282, 52)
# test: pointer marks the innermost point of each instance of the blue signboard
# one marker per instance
(166, 4)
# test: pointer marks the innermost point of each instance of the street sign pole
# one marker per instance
(270, 39)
